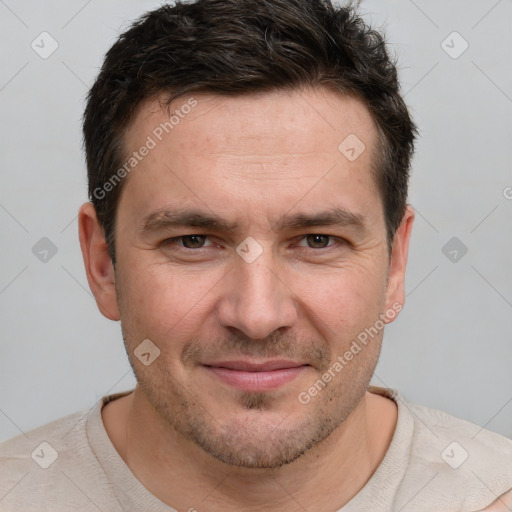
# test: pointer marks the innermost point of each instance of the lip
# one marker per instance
(250, 376)
(250, 366)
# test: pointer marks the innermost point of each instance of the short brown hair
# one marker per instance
(234, 47)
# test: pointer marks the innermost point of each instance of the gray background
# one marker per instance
(451, 346)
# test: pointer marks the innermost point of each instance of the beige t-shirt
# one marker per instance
(435, 463)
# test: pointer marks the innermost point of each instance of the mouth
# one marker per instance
(256, 377)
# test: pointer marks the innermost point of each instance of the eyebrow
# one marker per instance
(334, 217)
(166, 219)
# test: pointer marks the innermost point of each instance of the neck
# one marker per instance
(182, 475)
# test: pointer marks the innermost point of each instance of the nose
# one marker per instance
(256, 299)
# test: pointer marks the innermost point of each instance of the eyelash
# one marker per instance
(178, 239)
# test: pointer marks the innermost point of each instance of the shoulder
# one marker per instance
(44, 469)
(456, 460)
(43, 445)
(467, 445)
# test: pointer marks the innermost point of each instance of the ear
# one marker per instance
(395, 289)
(97, 261)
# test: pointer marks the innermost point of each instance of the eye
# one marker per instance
(317, 241)
(190, 241)
(193, 241)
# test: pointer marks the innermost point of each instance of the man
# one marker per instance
(248, 166)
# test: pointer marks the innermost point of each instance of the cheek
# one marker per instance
(157, 301)
(343, 302)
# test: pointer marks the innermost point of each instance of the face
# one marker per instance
(252, 252)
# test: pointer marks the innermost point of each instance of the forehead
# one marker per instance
(267, 150)
(272, 118)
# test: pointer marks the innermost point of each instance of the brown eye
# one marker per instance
(193, 241)
(317, 241)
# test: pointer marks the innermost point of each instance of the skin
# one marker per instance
(502, 504)
(192, 439)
